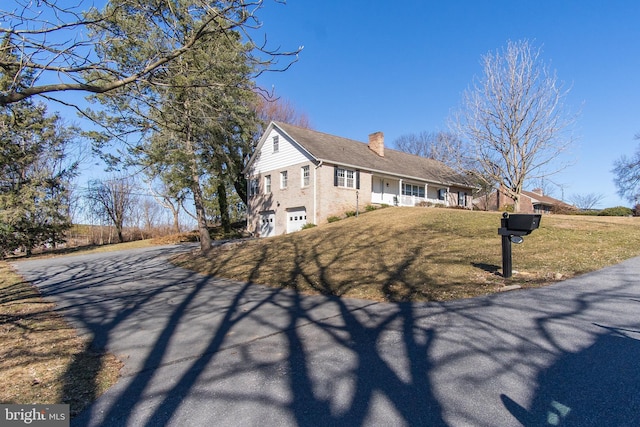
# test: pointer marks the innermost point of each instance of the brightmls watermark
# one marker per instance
(34, 415)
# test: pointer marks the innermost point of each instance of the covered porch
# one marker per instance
(399, 192)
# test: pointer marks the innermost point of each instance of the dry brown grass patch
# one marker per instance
(42, 359)
(411, 254)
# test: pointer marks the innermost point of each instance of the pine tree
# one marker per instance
(34, 173)
(196, 120)
(33, 178)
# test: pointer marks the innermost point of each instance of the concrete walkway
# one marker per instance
(202, 351)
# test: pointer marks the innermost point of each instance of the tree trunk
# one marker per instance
(224, 207)
(198, 199)
(240, 185)
(120, 237)
(205, 238)
(176, 222)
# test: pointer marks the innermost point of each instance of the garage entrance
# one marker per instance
(296, 219)
(267, 224)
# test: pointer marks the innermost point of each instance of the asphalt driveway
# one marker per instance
(204, 351)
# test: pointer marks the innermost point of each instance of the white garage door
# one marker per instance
(296, 218)
(268, 224)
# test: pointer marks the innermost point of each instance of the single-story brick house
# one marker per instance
(534, 201)
(298, 176)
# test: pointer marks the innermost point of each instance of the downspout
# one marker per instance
(248, 205)
(315, 193)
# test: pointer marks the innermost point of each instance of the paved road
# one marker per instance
(202, 351)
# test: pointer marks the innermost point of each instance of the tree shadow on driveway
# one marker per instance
(205, 351)
(243, 352)
(596, 386)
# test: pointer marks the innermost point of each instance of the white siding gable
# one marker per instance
(289, 153)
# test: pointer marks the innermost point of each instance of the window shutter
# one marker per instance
(357, 180)
(335, 176)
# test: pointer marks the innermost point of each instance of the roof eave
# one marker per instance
(396, 175)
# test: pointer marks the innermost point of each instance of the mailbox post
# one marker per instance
(512, 228)
(507, 262)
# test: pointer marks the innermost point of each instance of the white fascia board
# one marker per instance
(263, 138)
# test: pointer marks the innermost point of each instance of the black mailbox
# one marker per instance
(523, 223)
(513, 227)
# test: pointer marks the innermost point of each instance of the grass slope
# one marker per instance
(42, 359)
(412, 254)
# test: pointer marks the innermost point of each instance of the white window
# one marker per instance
(283, 179)
(413, 190)
(341, 178)
(345, 178)
(305, 176)
(267, 184)
(276, 144)
(351, 179)
(253, 187)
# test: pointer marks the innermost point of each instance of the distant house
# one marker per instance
(299, 176)
(530, 202)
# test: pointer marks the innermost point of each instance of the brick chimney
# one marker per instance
(376, 143)
(539, 191)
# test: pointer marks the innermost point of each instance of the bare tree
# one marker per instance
(113, 198)
(173, 202)
(62, 44)
(150, 213)
(586, 201)
(627, 176)
(281, 110)
(442, 146)
(514, 120)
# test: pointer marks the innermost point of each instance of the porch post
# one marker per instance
(400, 193)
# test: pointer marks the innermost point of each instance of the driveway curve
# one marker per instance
(200, 350)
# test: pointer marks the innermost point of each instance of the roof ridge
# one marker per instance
(316, 131)
(278, 123)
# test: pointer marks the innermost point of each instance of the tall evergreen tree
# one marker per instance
(34, 177)
(34, 170)
(194, 121)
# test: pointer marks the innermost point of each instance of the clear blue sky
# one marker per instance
(401, 67)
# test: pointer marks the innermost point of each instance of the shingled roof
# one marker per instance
(537, 197)
(347, 152)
